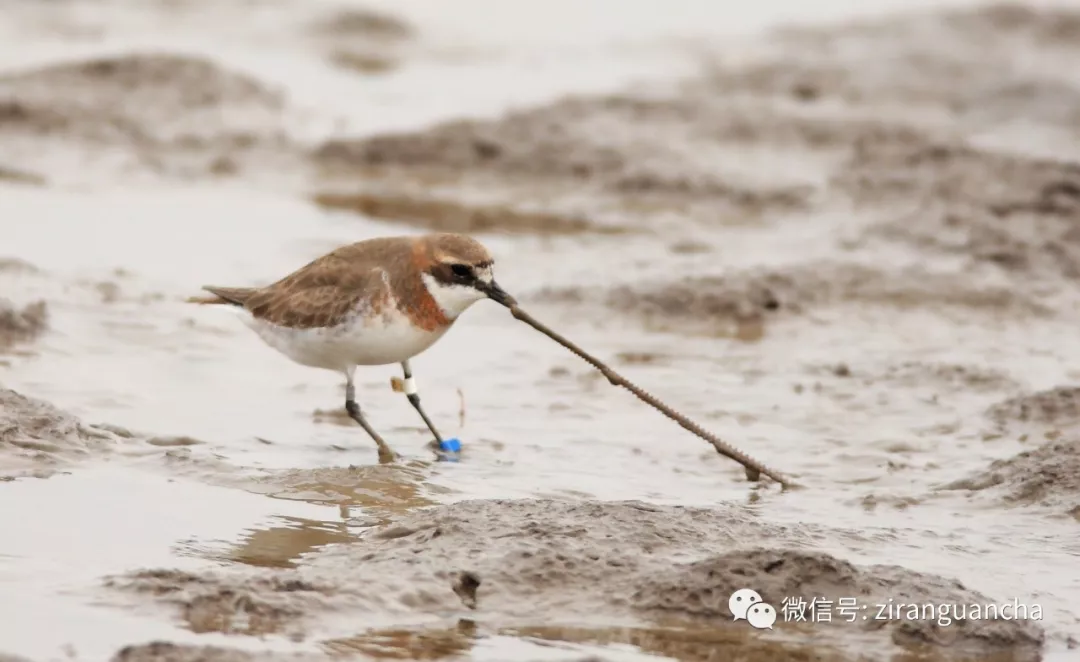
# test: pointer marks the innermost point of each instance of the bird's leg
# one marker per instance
(385, 454)
(409, 386)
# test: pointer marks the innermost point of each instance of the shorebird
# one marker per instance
(375, 302)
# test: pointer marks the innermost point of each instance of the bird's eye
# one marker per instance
(461, 270)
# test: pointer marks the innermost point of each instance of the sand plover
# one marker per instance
(375, 302)
(383, 301)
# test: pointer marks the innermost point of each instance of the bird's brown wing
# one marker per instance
(326, 291)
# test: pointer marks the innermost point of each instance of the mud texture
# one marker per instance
(691, 644)
(36, 438)
(980, 48)
(265, 604)
(443, 215)
(358, 23)
(602, 158)
(562, 143)
(830, 175)
(17, 176)
(919, 374)
(716, 302)
(1057, 407)
(363, 41)
(949, 178)
(168, 114)
(701, 589)
(1023, 223)
(1048, 476)
(21, 325)
(510, 560)
(867, 119)
(160, 651)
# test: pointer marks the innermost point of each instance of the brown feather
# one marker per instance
(231, 295)
(208, 300)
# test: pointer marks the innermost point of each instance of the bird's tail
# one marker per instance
(233, 296)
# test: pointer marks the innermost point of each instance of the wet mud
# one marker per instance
(1047, 475)
(599, 158)
(165, 114)
(828, 131)
(16, 176)
(1054, 408)
(897, 252)
(981, 42)
(700, 590)
(505, 561)
(162, 651)
(454, 216)
(37, 439)
(717, 303)
(363, 41)
(262, 605)
(21, 325)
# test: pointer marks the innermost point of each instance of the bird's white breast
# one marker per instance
(363, 338)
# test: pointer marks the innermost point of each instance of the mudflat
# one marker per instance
(849, 249)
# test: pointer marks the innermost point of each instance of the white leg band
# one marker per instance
(409, 386)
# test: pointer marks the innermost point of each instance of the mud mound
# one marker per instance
(1058, 407)
(600, 157)
(796, 580)
(691, 644)
(1047, 476)
(566, 140)
(22, 325)
(505, 556)
(160, 651)
(14, 265)
(957, 177)
(995, 95)
(520, 560)
(825, 118)
(36, 437)
(363, 23)
(425, 211)
(152, 108)
(17, 176)
(914, 374)
(714, 303)
(885, 63)
(361, 40)
(260, 605)
(939, 378)
(1024, 222)
(1051, 26)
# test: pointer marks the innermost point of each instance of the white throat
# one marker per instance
(451, 299)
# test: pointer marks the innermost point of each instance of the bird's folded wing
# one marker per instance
(321, 296)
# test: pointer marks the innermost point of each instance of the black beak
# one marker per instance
(498, 294)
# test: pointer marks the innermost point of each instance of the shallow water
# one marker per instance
(116, 261)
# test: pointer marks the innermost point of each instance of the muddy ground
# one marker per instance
(853, 250)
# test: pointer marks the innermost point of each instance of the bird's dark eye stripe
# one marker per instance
(461, 270)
